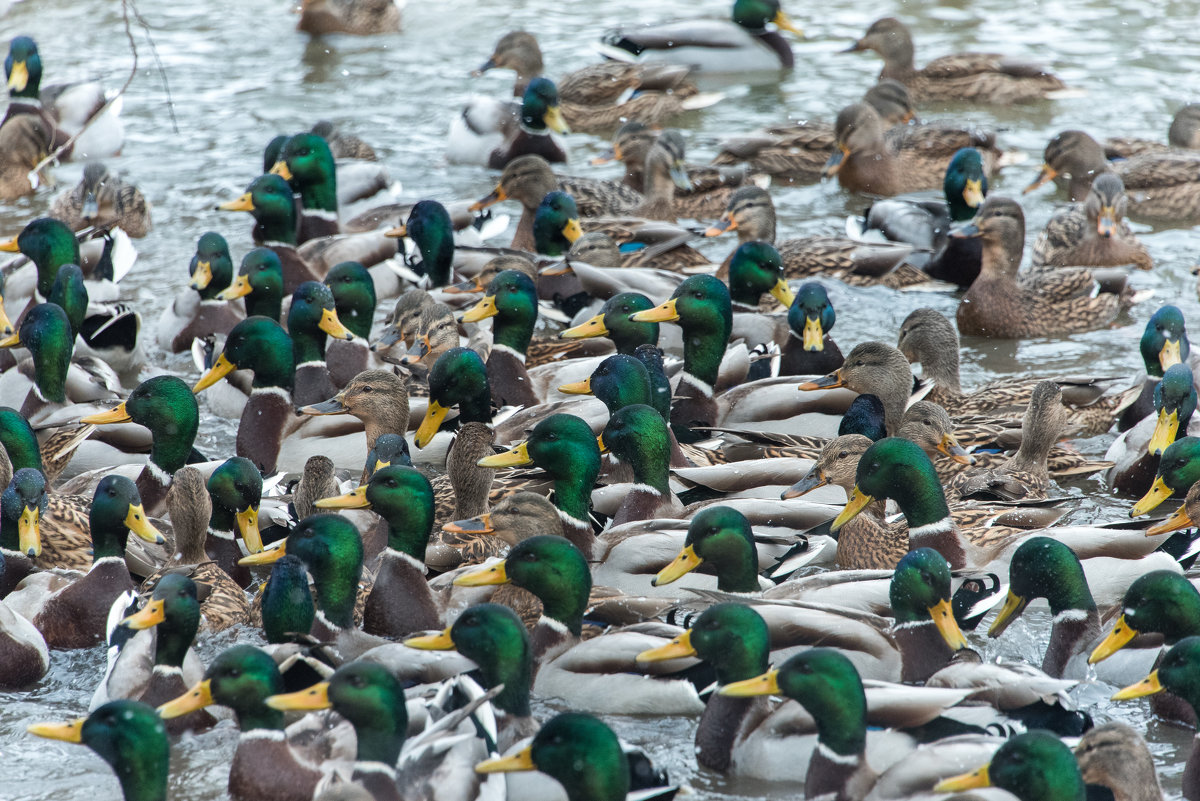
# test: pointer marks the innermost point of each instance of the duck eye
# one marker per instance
(698, 294)
(366, 389)
(234, 673)
(843, 454)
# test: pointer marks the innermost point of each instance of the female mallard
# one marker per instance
(493, 133)
(359, 17)
(376, 397)
(199, 313)
(599, 97)
(974, 77)
(1094, 233)
(1034, 766)
(1004, 304)
(518, 516)
(101, 199)
(751, 212)
(1160, 187)
(742, 43)
(72, 612)
(130, 737)
(24, 142)
(1184, 133)
(875, 368)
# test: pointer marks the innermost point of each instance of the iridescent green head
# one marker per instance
(353, 295)
(70, 295)
(511, 299)
(21, 508)
(811, 316)
(166, 406)
(865, 416)
(1179, 671)
(920, 583)
(260, 282)
(556, 224)
(898, 469)
(372, 699)
(288, 610)
(756, 268)
(638, 436)
(557, 573)
(18, 440)
(1164, 341)
(965, 184)
(539, 107)
(701, 305)
(312, 317)
(459, 378)
(754, 15)
(721, 537)
(243, 678)
(1034, 766)
(404, 498)
(1175, 403)
(306, 163)
(235, 488)
(826, 683)
(580, 752)
(211, 268)
(332, 549)
(734, 639)
(49, 244)
(261, 345)
(493, 637)
(1162, 602)
(46, 331)
(620, 381)
(1179, 465)
(23, 68)
(614, 322)
(563, 445)
(1043, 567)
(116, 511)
(269, 199)
(174, 612)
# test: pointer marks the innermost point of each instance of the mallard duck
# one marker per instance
(72, 612)
(200, 313)
(1164, 342)
(511, 299)
(265, 765)
(875, 368)
(24, 141)
(173, 612)
(460, 378)
(742, 43)
(103, 200)
(399, 602)
(22, 647)
(191, 510)
(975, 77)
(1159, 186)
(1182, 133)
(809, 349)
(925, 224)
(1115, 756)
(64, 108)
(235, 496)
(599, 97)
(1094, 233)
(638, 435)
(1033, 766)
(1136, 452)
(50, 244)
(493, 133)
(865, 161)
(927, 338)
(518, 516)
(376, 397)
(306, 162)
(359, 17)
(621, 381)
(614, 322)
(1178, 472)
(312, 317)
(109, 332)
(751, 212)
(130, 737)
(344, 145)
(1005, 304)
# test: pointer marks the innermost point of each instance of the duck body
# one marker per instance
(358, 17)
(102, 199)
(1093, 233)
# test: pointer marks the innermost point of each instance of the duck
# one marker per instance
(103, 200)
(751, 212)
(1136, 452)
(357, 17)
(599, 97)
(925, 223)
(26, 659)
(1032, 766)
(109, 332)
(1006, 305)
(511, 299)
(379, 398)
(1177, 472)
(265, 765)
(876, 368)
(201, 313)
(190, 508)
(49, 244)
(493, 133)
(171, 667)
(927, 338)
(66, 109)
(517, 516)
(355, 300)
(312, 317)
(459, 377)
(1182, 134)
(130, 737)
(306, 162)
(1164, 342)
(740, 44)
(1157, 185)
(71, 612)
(614, 322)
(864, 161)
(343, 145)
(973, 77)
(25, 140)
(809, 348)
(638, 435)
(235, 496)
(1093, 233)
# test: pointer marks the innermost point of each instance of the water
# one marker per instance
(239, 74)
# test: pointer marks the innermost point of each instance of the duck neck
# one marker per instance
(841, 720)
(514, 331)
(408, 532)
(513, 669)
(942, 368)
(169, 450)
(143, 777)
(703, 350)
(321, 195)
(173, 641)
(573, 494)
(478, 407)
(307, 348)
(108, 541)
(257, 715)
(651, 460)
(380, 735)
(264, 303)
(276, 229)
(336, 585)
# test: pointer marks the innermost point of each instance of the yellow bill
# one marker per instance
(1014, 605)
(509, 764)
(484, 576)
(662, 313)
(943, 617)
(355, 499)
(332, 326)
(766, 684)
(1117, 639)
(1158, 492)
(513, 457)
(243, 203)
(194, 699)
(115, 415)
(71, 732)
(858, 501)
(482, 310)
(148, 616)
(966, 781)
(678, 648)
(1147, 686)
(435, 413)
(591, 328)
(137, 522)
(686, 562)
(240, 288)
(432, 642)
(583, 387)
(222, 368)
(315, 697)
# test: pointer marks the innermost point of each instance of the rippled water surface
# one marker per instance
(239, 74)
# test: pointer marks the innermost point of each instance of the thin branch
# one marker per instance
(158, 63)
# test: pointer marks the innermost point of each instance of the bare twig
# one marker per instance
(158, 63)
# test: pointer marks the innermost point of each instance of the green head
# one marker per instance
(755, 14)
(755, 268)
(130, 737)
(613, 322)
(311, 318)
(49, 244)
(243, 678)
(702, 307)
(539, 108)
(18, 440)
(174, 612)
(459, 377)
(259, 344)
(638, 436)
(493, 637)
(556, 224)
(404, 498)
(965, 184)
(1043, 567)
(1162, 602)
(46, 332)
(354, 296)
(811, 315)
(367, 695)
(577, 750)
(563, 445)
(306, 163)
(898, 469)
(287, 604)
(260, 282)
(430, 227)
(511, 299)
(1165, 340)
(21, 508)
(166, 406)
(1175, 402)
(552, 569)
(23, 68)
(70, 295)
(269, 199)
(273, 150)
(865, 416)
(116, 511)
(660, 386)
(1179, 671)
(211, 268)
(620, 381)
(235, 488)
(1179, 465)
(920, 585)
(731, 637)
(331, 548)
(1034, 766)
(720, 536)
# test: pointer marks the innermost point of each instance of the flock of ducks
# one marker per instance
(591, 467)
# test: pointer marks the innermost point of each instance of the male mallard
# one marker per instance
(638, 435)
(1004, 304)
(200, 313)
(306, 162)
(1160, 187)
(1033, 766)
(511, 299)
(1164, 342)
(742, 43)
(493, 133)
(977, 77)
(1136, 452)
(71, 612)
(103, 200)
(359, 17)
(312, 318)
(130, 737)
(809, 349)
(1093, 233)
(1178, 472)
